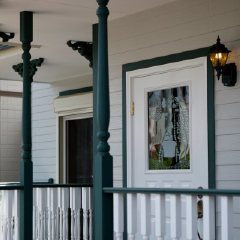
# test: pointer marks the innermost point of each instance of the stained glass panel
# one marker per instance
(168, 129)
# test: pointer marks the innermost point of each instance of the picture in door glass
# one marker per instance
(168, 129)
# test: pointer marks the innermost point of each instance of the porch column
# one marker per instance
(103, 173)
(26, 169)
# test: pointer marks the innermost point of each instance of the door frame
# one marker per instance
(82, 104)
(188, 55)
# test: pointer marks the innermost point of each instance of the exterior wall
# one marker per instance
(44, 124)
(10, 131)
(173, 28)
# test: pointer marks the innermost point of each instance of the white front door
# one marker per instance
(167, 138)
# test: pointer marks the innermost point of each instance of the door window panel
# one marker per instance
(168, 129)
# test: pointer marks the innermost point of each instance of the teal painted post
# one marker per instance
(103, 203)
(26, 169)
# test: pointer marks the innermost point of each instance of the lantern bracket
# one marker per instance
(229, 75)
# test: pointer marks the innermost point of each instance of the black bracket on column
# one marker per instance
(5, 37)
(84, 48)
(33, 67)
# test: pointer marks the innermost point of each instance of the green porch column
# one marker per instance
(103, 173)
(26, 169)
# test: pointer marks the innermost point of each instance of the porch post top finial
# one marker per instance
(26, 26)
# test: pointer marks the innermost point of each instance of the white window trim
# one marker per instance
(76, 106)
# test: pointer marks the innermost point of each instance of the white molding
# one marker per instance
(66, 105)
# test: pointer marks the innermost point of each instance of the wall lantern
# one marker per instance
(218, 55)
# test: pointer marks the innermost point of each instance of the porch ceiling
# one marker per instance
(56, 22)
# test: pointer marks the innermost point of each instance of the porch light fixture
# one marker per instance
(218, 56)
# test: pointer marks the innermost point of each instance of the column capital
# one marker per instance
(33, 67)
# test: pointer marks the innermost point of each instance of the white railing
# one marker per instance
(59, 212)
(170, 214)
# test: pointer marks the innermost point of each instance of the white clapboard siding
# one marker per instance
(10, 125)
(44, 124)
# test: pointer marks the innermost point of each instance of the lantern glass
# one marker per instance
(218, 59)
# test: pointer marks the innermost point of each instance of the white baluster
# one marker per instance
(1, 215)
(9, 211)
(53, 214)
(60, 219)
(79, 224)
(72, 214)
(131, 215)
(191, 217)
(4, 224)
(160, 226)
(90, 214)
(145, 216)
(175, 216)
(75, 205)
(208, 217)
(16, 211)
(118, 215)
(49, 200)
(65, 206)
(42, 204)
(4, 207)
(227, 217)
(34, 213)
(85, 206)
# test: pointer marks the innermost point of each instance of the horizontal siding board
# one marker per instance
(116, 149)
(116, 98)
(117, 173)
(227, 96)
(165, 49)
(44, 153)
(227, 111)
(222, 6)
(183, 31)
(115, 85)
(36, 139)
(42, 101)
(44, 145)
(40, 161)
(117, 161)
(147, 15)
(228, 173)
(44, 123)
(42, 169)
(42, 109)
(160, 22)
(46, 115)
(227, 126)
(228, 143)
(44, 176)
(115, 123)
(43, 131)
(223, 21)
(115, 136)
(227, 157)
(116, 110)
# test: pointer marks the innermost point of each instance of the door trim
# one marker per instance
(203, 52)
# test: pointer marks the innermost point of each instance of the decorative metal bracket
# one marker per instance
(84, 48)
(33, 67)
(5, 37)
